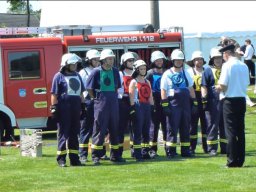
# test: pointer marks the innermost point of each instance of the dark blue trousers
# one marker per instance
(68, 128)
(179, 121)
(157, 118)
(141, 130)
(215, 127)
(86, 128)
(124, 120)
(197, 115)
(106, 119)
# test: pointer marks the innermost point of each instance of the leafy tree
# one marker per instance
(20, 6)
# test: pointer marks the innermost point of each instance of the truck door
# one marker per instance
(25, 82)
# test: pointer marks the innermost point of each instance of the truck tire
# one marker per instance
(1, 129)
(6, 129)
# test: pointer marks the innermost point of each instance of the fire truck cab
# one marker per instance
(27, 66)
(141, 43)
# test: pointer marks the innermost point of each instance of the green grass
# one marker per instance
(202, 173)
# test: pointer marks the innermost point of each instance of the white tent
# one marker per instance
(205, 41)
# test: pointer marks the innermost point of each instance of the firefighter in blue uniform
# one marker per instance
(142, 103)
(92, 60)
(177, 93)
(126, 70)
(67, 105)
(102, 85)
(196, 71)
(154, 75)
(214, 118)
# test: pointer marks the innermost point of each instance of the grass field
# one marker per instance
(202, 173)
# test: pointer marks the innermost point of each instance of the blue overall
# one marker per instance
(68, 89)
(87, 125)
(124, 117)
(180, 117)
(198, 114)
(158, 116)
(214, 117)
(86, 128)
(142, 121)
(106, 110)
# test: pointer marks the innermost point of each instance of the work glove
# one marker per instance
(194, 106)
(54, 111)
(204, 102)
(83, 111)
(132, 113)
(165, 106)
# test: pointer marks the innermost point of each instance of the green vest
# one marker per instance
(107, 80)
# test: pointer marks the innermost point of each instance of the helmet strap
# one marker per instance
(158, 67)
(178, 66)
(130, 68)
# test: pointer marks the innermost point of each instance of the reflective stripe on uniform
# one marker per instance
(62, 152)
(73, 151)
(113, 146)
(152, 143)
(97, 147)
(212, 142)
(120, 145)
(169, 144)
(136, 146)
(144, 145)
(223, 140)
(83, 145)
(184, 144)
(193, 136)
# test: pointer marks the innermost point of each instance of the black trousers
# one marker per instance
(251, 68)
(233, 114)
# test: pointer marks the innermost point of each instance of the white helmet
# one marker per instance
(69, 58)
(126, 56)
(215, 52)
(139, 63)
(197, 54)
(93, 53)
(177, 54)
(106, 53)
(157, 55)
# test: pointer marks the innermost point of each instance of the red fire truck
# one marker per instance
(27, 65)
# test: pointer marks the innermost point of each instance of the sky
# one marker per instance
(193, 16)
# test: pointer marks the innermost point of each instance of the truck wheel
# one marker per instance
(1, 129)
(6, 129)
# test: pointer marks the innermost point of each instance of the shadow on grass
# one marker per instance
(248, 166)
(131, 161)
(250, 153)
(49, 155)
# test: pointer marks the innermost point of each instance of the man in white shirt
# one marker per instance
(233, 92)
(248, 54)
